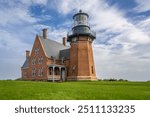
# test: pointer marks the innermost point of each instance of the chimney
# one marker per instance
(27, 53)
(45, 33)
(64, 41)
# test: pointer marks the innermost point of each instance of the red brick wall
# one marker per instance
(73, 60)
(37, 54)
(81, 55)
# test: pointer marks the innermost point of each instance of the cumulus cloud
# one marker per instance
(15, 16)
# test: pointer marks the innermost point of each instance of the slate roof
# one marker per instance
(65, 53)
(52, 48)
(25, 65)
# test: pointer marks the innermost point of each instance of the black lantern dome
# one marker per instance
(81, 26)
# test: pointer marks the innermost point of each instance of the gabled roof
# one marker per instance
(52, 48)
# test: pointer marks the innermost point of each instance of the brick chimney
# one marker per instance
(27, 53)
(45, 33)
(64, 41)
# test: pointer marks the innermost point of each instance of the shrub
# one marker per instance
(113, 79)
(18, 79)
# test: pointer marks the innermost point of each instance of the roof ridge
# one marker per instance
(51, 40)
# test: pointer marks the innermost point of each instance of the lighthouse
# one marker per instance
(81, 64)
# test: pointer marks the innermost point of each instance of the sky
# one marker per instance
(121, 48)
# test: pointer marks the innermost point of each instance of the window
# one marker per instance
(40, 60)
(40, 72)
(92, 70)
(33, 61)
(24, 74)
(33, 72)
(37, 50)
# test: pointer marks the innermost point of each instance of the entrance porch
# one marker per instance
(56, 73)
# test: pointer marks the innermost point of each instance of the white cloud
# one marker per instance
(25, 2)
(65, 7)
(144, 25)
(143, 5)
(127, 66)
(16, 15)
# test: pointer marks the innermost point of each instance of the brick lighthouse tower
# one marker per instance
(81, 66)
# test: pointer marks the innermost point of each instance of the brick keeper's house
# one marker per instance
(53, 61)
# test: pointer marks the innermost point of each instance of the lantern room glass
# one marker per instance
(81, 19)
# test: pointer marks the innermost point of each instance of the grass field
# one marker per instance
(97, 90)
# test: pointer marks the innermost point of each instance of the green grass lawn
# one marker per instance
(96, 90)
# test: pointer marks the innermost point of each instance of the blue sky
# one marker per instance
(122, 46)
